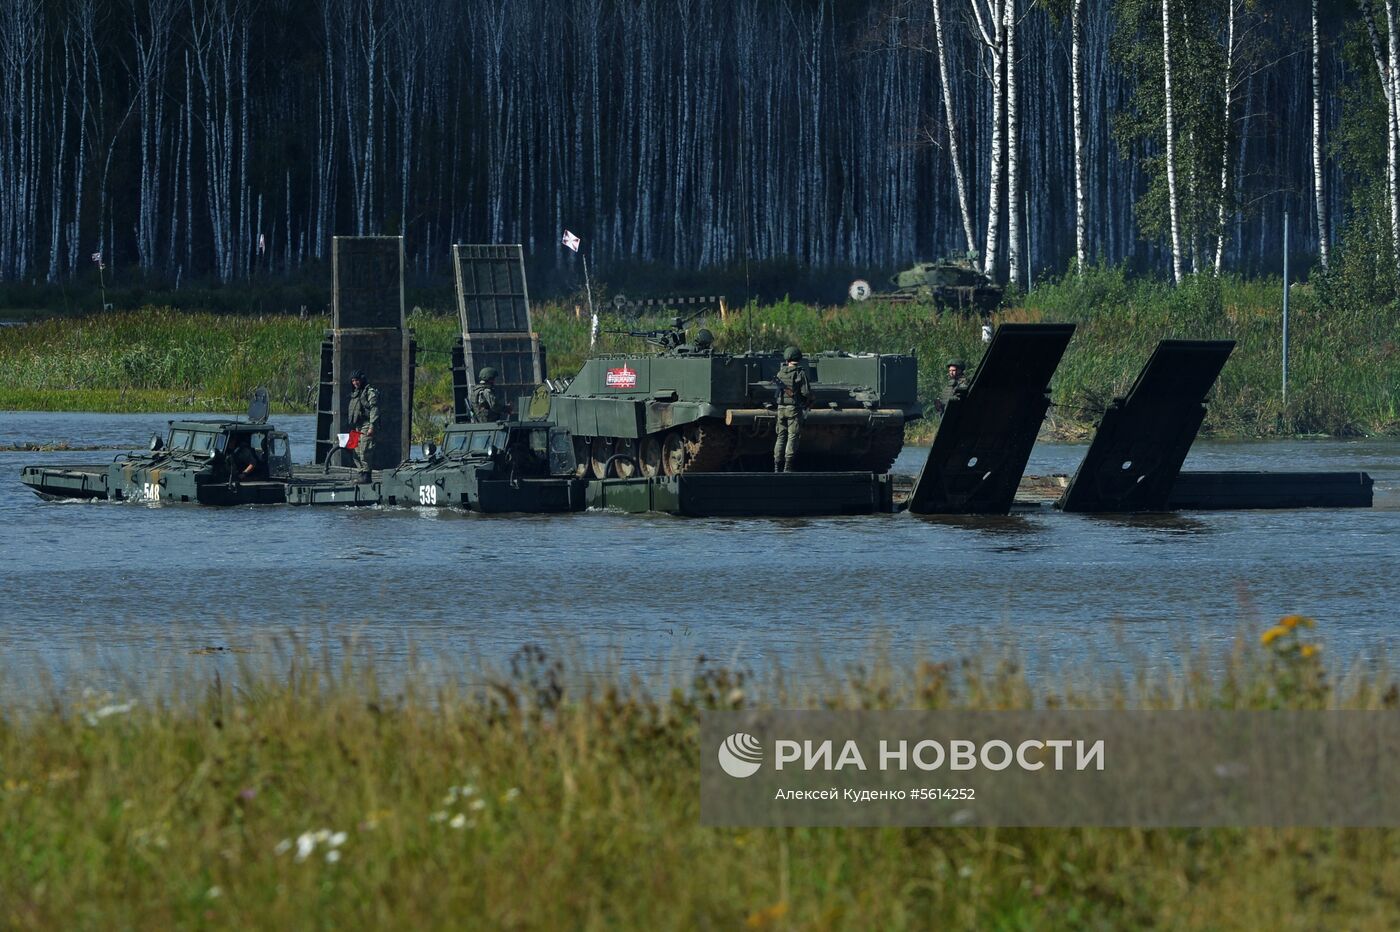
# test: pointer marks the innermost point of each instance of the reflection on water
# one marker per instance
(107, 593)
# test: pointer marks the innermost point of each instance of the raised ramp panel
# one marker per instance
(1228, 491)
(1143, 437)
(986, 435)
(493, 308)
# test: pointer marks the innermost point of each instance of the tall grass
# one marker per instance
(315, 797)
(1344, 362)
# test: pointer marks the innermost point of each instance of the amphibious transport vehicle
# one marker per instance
(215, 462)
(510, 466)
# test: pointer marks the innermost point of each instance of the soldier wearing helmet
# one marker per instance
(364, 417)
(702, 345)
(794, 397)
(486, 403)
(957, 382)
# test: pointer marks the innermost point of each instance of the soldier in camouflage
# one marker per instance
(486, 404)
(957, 381)
(794, 393)
(364, 417)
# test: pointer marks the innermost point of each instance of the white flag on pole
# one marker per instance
(262, 244)
(593, 331)
(570, 240)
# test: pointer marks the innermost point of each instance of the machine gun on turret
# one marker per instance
(669, 338)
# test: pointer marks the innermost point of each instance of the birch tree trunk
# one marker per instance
(1393, 26)
(1076, 30)
(1014, 242)
(1223, 194)
(1319, 189)
(1171, 141)
(954, 155)
(1385, 68)
(994, 40)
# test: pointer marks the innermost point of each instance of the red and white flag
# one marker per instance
(349, 441)
(570, 240)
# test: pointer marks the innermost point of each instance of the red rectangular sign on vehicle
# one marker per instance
(621, 378)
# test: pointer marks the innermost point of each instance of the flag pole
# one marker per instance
(587, 286)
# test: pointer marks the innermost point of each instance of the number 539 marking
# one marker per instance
(427, 495)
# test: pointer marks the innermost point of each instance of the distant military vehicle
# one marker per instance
(689, 409)
(950, 284)
(522, 466)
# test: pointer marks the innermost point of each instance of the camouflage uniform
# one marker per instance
(953, 387)
(486, 404)
(794, 397)
(364, 417)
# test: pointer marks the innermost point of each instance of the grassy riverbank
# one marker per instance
(315, 799)
(1344, 363)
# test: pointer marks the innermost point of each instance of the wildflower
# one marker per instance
(1289, 622)
(1273, 634)
(439, 816)
(247, 794)
(306, 843)
(337, 839)
(458, 821)
(478, 805)
(283, 846)
(1310, 650)
(332, 856)
(512, 794)
(214, 893)
(763, 918)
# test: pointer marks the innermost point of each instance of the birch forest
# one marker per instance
(223, 139)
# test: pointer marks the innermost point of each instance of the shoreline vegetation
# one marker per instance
(1344, 366)
(299, 790)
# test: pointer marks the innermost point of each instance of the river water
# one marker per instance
(102, 595)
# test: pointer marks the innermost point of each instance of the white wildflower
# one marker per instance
(512, 794)
(458, 821)
(214, 893)
(478, 805)
(337, 839)
(306, 843)
(438, 816)
(332, 856)
(283, 846)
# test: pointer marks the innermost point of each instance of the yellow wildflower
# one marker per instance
(763, 918)
(1273, 634)
(1293, 621)
(1310, 650)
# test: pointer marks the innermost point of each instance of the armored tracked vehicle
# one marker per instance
(521, 466)
(950, 284)
(689, 410)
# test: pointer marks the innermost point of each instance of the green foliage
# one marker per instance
(309, 795)
(1345, 364)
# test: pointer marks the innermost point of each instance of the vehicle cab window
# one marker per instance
(179, 440)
